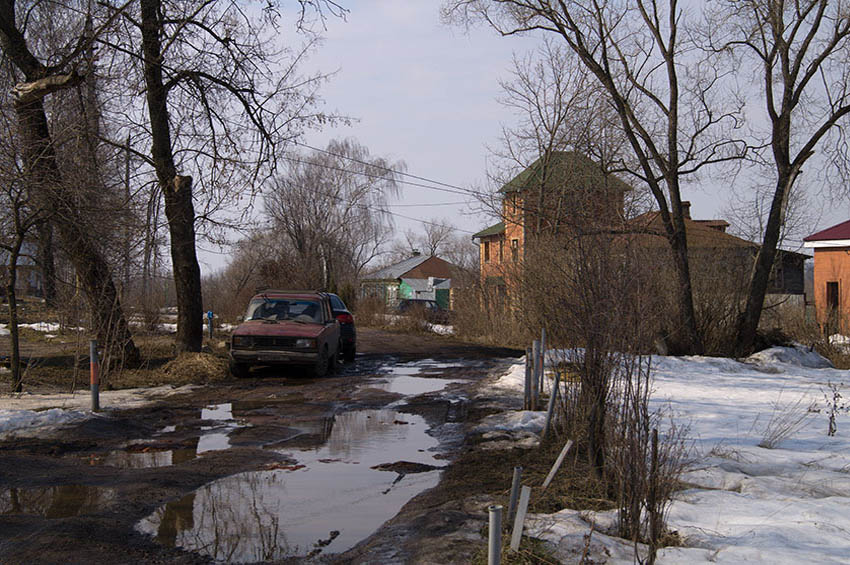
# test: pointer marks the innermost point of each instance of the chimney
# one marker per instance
(686, 209)
(416, 253)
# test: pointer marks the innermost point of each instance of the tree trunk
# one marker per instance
(43, 175)
(15, 357)
(679, 246)
(177, 190)
(47, 262)
(748, 321)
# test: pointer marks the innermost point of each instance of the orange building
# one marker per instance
(562, 189)
(832, 276)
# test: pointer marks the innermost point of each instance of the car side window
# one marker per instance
(336, 303)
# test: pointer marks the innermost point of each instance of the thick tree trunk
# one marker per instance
(177, 190)
(748, 321)
(679, 246)
(15, 357)
(110, 325)
(47, 261)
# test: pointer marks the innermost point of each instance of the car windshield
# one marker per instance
(284, 309)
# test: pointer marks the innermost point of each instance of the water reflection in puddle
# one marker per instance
(141, 459)
(55, 502)
(403, 379)
(335, 500)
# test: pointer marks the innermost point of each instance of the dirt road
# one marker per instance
(275, 468)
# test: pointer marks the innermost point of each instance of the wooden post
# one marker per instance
(652, 501)
(557, 464)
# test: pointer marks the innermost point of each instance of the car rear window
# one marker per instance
(337, 304)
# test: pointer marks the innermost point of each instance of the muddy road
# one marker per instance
(275, 468)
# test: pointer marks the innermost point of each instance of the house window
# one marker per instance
(514, 250)
(832, 295)
(501, 251)
(486, 251)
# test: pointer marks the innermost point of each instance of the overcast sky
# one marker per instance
(425, 93)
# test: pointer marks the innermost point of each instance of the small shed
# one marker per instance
(420, 276)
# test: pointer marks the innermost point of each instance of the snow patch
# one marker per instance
(31, 423)
(513, 421)
(783, 505)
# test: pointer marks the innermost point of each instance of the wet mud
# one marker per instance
(275, 468)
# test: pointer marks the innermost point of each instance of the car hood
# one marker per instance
(282, 328)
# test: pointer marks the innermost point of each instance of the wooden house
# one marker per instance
(420, 276)
(832, 277)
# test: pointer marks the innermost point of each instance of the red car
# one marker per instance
(286, 327)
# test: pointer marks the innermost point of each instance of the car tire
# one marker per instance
(239, 370)
(349, 352)
(320, 369)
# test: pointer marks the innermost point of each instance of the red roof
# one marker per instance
(838, 231)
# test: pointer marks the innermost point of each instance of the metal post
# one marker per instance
(494, 552)
(542, 366)
(535, 388)
(529, 360)
(515, 484)
(519, 521)
(94, 366)
(210, 322)
(553, 395)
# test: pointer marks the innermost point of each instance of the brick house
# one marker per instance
(715, 254)
(420, 276)
(555, 192)
(576, 192)
(832, 276)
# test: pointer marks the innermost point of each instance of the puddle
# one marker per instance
(411, 386)
(55, 502)
(326, 503)
(141, 459)
(403, 379)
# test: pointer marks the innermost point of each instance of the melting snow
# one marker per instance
(783, 505)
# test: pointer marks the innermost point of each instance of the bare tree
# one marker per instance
(329, 208)
(674, 121)
(801, 50)
(222, 100)
(45, 73)
(20, 215)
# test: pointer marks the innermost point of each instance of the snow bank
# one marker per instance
(513, 421)
(3, 330)
(30, 423)
(28, 415)
(783, 505)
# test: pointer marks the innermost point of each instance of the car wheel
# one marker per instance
(322, 362)
(239, 370)
(349, 352)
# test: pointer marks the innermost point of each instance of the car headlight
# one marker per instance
(305, 343)
(241, 341)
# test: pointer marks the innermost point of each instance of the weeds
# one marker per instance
(835, 405)
(785, 421)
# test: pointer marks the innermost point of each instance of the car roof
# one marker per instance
(272, 293)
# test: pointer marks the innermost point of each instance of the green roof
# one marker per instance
(563, 166)
(495, 229)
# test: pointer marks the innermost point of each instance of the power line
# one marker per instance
(394, 171)
(373, 176)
